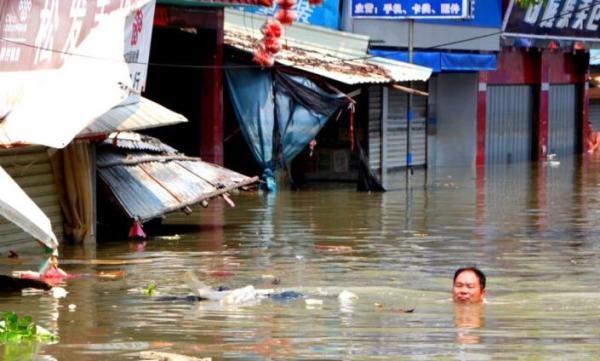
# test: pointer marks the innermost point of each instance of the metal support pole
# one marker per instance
(411, 29)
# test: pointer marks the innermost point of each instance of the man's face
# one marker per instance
(467, 288)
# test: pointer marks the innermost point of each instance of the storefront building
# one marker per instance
(510, 85)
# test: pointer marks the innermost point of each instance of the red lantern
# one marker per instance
(553, 45)
(267, 3)
(272, 45)
(286, 17)
(315, 2)
(286, 4)
(263, 58)
(272, 28)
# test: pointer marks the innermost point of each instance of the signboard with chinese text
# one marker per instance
(38, 35)
(63, 63)
(411, 9)
(555, 19)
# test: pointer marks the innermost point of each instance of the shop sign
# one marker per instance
(554, 19)
(38, 35)
(411, 9)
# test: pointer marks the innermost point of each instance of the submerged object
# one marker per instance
(247, 294)
(286, 296)
(17, 284)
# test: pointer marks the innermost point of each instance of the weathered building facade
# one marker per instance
(511, 86)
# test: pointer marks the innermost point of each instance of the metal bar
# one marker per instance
(411, 35)
(410, 90)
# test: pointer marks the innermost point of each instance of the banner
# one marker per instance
(63, 64)
(554, 19)
(39, 34)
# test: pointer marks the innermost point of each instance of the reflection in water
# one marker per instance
(534, 229)
(467, 319)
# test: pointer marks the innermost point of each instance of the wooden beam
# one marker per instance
(409, 90)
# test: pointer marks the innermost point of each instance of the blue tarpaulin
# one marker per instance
(279, 114)
(443, 61)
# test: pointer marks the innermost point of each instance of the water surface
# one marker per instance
(533, 229)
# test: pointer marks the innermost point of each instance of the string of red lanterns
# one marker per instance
(272, 30)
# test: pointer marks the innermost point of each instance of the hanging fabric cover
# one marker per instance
(263, 100)
(302, 108)
(71, 167)
(251, 94)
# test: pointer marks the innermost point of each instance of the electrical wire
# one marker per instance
(190, 66)
(500, 32)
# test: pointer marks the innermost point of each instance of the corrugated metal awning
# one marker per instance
(148, 185)
(143, 114)
(336, 55)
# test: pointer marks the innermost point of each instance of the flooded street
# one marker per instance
(533, 229)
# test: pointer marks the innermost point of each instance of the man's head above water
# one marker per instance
(469, 285)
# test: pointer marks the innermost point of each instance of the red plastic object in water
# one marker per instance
(136, 230)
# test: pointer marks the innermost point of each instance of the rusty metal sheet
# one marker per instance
(143, 114)
(148, 185)
(336, 55)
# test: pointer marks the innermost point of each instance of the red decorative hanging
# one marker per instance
(272, 45)
(286, 4)
(579, 46)
(286, 17)
(315, 2)
(272, 28)
(553, 45)
(263, 58)
(266, 3)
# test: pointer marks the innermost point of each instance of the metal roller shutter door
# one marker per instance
(396, 126)
(375, 115)
(594, 111)
(30, 168)
(563, 122)
(509, 129)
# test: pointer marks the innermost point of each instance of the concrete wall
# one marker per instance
(454, 143)
(394, 33)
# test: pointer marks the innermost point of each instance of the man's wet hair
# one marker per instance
(480, 275)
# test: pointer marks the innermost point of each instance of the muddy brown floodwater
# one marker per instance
(533, 228)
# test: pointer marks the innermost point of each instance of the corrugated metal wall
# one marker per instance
(563, 122)
(30, 168)
(397, 129)
(387, 145)
(594, 114)
(375, 116)
(509, 118)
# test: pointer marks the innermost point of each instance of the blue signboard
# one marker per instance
(326, 14)
(413, 9)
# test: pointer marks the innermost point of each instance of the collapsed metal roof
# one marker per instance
(336, 55)
(148, 184)
(142, 114)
